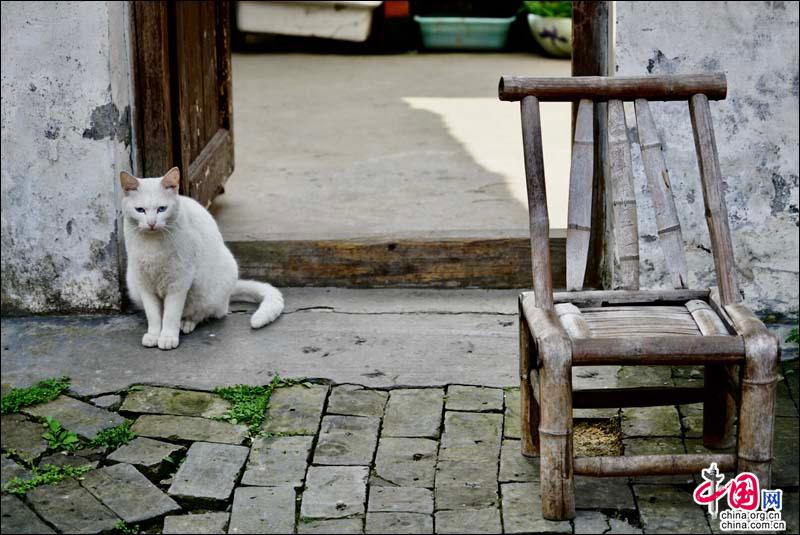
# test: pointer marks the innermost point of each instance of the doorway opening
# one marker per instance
(354, 166)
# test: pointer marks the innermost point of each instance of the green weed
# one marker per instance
(59, 438)
(794, 337)
(41, 392)
(248, 403)
(47, 475)
(113, 437)
(122, 527)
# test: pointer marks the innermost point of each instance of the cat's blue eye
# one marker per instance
(140, 210)
(162, 209)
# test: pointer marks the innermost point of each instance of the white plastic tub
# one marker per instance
(343, 20)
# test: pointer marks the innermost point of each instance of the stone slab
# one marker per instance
(400, 500)
(621, 526)
(158, 400)
(407, 462)
(784, 405)
(357, 401)
(603, 493)
(668, 509)
(485, 520)
(24, 437)
(413, 413)
(651, 422)
(347, 440)
(124, 490)
(786, 466)
(278, 461)
(657, 446)
(71, 508)
(147, 454)
(295, 410)
(632, 376)
(104, 353)
(201, 523)
(465, 484)
(18, 518)
(522, 510)
(515, 467)
(596, 522)
(791, 512)
(9, 469)
(474, 398)
(380, 523)
(336, 525)
(692, 420)
(334, 491)
(109, 402)
(263, 510)
(471, 437)
(82, 418)
(189, 428)
(209, 472)
(511, 422)
(59, 459)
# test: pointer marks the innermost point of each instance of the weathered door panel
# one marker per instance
(184, 92)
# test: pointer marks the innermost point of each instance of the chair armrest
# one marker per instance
(547, 332)
(744, 321)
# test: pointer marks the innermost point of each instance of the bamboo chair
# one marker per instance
(631, 326)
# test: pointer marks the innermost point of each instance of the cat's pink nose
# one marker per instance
(152, 225)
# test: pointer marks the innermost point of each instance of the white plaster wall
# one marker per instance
(65, 137)
(756, 45)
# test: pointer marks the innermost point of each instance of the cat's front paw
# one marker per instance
(150, 340)
(168, 341)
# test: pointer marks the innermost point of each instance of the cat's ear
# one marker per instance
(172, 180)
(129, 182)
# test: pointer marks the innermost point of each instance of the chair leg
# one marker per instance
(528, 380)
(555, 431)
(719, 409)
(757, 407)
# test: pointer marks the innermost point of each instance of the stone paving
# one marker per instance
(350, 459)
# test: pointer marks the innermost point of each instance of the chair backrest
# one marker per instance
(588, 92)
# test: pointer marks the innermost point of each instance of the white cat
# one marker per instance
(179, 269)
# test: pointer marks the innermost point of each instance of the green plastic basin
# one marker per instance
(465, 33)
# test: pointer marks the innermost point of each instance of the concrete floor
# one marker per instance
(331, 147)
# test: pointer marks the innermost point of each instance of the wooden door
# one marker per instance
(183, 93)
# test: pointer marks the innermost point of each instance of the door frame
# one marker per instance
(161, 129)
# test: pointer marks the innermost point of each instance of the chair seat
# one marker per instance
(620, 321)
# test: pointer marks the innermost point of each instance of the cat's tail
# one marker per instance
(267, 296)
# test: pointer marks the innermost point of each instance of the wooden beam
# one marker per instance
(758, 389)
(528, 382)
(598, 298)
(623, 197)
(423, 261)
(670, 237)
(537, 202)
(652, 465)
(655, 88)
(579, 213)
(591, 56)
(714, 200)
(658, 350)
(646, 396)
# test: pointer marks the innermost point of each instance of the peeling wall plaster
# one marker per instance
(756, 45)
(66, 134)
